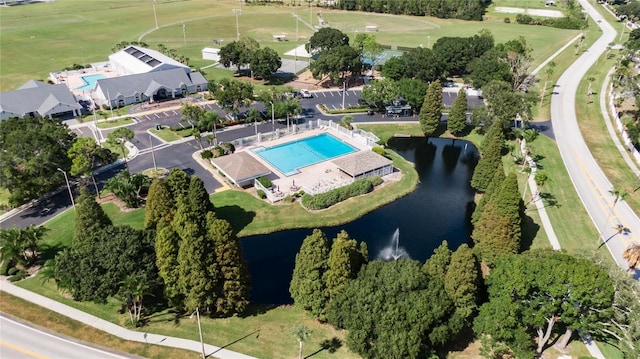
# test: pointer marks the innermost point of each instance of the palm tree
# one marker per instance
(11, 247)
(134, 288)
(33, 235)
(302, 333)
(619, 194)
(549, 71)
(211, 119)
(632, 255)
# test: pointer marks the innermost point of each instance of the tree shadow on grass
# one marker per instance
(529, 231)
(458, 343)
(330, 345)
(236, 216)
(49, 251)
(256, 309)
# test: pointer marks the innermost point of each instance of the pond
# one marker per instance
(439, 209)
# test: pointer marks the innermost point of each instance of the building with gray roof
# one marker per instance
(364, 164)
(38, 99)
(150, 86)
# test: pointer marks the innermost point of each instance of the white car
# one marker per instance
(304, 93)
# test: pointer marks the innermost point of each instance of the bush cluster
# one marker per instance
(261, 194)
(379, 150)
(570, 23)
(328, 199)
(265, 182)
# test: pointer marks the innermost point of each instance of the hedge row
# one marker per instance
(328, 199)
(559, 23)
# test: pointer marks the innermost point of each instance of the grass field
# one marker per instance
(71, 32)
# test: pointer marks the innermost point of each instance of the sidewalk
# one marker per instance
(126, 334)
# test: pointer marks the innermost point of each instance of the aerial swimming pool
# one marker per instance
(291, 156)
(90, 82)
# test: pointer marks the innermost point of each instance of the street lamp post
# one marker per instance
(197, 313)
(184, 33)
(273, 117)
(73, 203)
(344, 89)
(155, 15)
(237, 12)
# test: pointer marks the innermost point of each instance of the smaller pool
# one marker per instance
(90, 82)
(289, 157)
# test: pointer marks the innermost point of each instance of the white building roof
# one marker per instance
(137, 60)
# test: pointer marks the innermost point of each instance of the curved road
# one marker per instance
(588, 178)
(19, 341)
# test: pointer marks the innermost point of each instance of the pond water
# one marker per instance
(439, 209)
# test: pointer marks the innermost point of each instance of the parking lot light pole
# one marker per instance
(155, 15)
(237, 12)
(344, 89)
(73, 203)
(273, 117)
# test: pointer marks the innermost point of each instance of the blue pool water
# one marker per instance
(90, 82)
(289, 157)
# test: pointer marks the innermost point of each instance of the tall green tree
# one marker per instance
(119, 137)
(234, 281)
(308, 288)
(198, 271)
(457, 121)
(265, 62)
(437, 264)
(492, 189)
(369, 47)
(336, 63)
(505, 104)
(345, 261)
(232, 94)
(86, 156)
(532, 292)
(431, 111)
(326, 39)
(178, 181)
(167, 246)
(413, 90)
(198, 198)
(461, 281)
(191, 114)
(380, 92)
(94, 269)
(89, 217)
(490, 160)
(393, 310)
(160, 204)
(32, 151)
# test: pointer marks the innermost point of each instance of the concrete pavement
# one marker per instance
(588, 178)
(126, 334)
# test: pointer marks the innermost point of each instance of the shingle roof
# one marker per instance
(361, 162)
(147, 83)
(38, 97)
(240, 167)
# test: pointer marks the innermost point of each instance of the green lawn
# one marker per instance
(115, 123)
(82, 32)
(4, 199)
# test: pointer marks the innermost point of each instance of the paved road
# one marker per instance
(18, 341)
(589, 180)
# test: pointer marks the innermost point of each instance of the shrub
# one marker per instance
(218, 152)
(206, 154)
(22, 274)
(525, 19)
(261, 194)
(265, 182)
(328, 199)
(507, 20)
(12, 271)
(379, 150)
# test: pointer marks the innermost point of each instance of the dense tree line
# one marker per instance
(446, 9)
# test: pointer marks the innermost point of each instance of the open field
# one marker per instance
(71, 32)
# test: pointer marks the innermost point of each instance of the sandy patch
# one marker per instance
(533, 12)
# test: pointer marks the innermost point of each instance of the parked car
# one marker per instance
(304, 93)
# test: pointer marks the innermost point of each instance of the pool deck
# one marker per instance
(317, 177)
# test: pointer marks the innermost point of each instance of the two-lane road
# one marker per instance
(588, 178)
(20, 341)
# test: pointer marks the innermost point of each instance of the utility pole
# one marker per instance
(237, 12)
(184, 33)
(73, 203)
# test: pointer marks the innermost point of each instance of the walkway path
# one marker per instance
(126, 334)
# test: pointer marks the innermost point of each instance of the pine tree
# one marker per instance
(197, 269)
(461, 281)
(308, 288)
(511, 206)
(431, 111)
(490, 160)
(492, 189)
(160, 204)
(167, 246)
(457, 121)
(178, 182)
(491, 235)
(436, 265)
(345, 261)
(89, 216)
(234, 282)
(199, 198)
